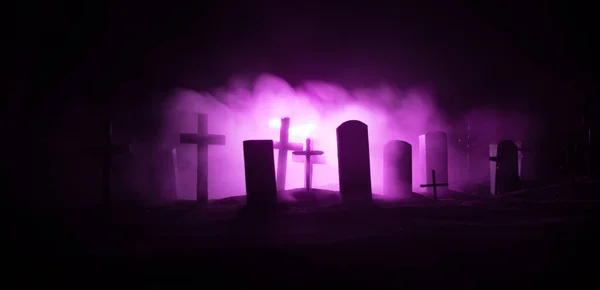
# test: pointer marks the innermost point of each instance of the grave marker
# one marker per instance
(259, 165)
(433, 152)
(354, 163)
(397, 170)
(105, 151)
(202, 139)
(165, 173)
(283, 146)
(434, 185)
(504, 167)
(308, 160)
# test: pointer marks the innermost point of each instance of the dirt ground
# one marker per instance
(536, 238)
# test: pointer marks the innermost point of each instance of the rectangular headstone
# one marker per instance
(259, 165)
(433, 151)
(354, 163)
(493, 156)
(507, 168)
(397, 171)
(167, 174)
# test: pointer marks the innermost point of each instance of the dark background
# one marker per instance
(522, 55)
(517, 54)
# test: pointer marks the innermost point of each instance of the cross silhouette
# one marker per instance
(105, 151)
(202, 139)
(308, 162)
(283, 146)
(434, 185)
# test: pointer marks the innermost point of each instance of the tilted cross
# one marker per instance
(309, 161)
(105, 151)
(202, 139)
(283, 145)
(434, 185)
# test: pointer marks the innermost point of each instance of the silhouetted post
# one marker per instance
(283, 146)
(434, 185)
(202, 139)
(105, 151)
(308, 163)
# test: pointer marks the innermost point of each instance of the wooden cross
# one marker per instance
(283, 146)
(434, 185)
(308, 162)
(202, 139)
(105, 151)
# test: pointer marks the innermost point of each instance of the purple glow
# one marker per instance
(315, 110)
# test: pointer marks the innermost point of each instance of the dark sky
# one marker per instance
(524, 54)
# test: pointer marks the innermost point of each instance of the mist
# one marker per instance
(248, 108)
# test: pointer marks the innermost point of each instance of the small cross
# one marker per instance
(202, 139)
(283, 146)
(308, 162)
(105, 151)
(434, 185)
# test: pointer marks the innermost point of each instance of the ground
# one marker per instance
(541, 236)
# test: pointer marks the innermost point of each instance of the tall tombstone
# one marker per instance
(259, 165)
(526, 161)
(354, 165)
(166, 174)
(397, 169)
(433, 152)
(504, 167)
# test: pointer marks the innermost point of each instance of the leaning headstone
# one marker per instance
(202, 139)
(259, 165)
(433, 152)
(105, 151)
(397, 171)
(354, 165)
(504, 167)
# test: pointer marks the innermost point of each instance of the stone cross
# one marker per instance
(202, 139)
(308, 162)
(434, 185)
(105, 151)
(283, 146)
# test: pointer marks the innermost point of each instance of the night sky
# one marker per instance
(524, 55)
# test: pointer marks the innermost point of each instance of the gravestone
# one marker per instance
(165, 172)
(309, 157)
(283, 146)
(259, 165)
(434, 185)
(202, 139)
(526, 161)
(105, 151)
(433, 154)
(397, 170)
(504, 167)
(354, 165)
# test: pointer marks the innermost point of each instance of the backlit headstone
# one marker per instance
(504, 167)
(259, 165)
(353, 163)
(433, 154)
(202, 139)
(397, 171)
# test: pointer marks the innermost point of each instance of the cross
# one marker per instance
(202, 139)
(283, 146)
(308, 162)
(105, 151)
(434, 185)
